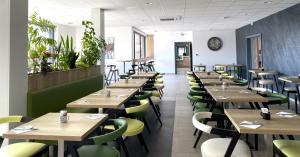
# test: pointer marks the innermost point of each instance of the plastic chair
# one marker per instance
(24, 149)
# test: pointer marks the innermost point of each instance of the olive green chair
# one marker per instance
(24, 149)
(135, 126)
(275, 98)
(286, 148)
(97, 146)
(241, 82)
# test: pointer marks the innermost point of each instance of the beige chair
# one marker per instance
(220, 147)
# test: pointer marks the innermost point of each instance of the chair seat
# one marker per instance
(217, 147)
(290, 89)
(159, 86)
(194, 98)
(289, 148)
(98, 151)
(134, 127)
(276, 97)
(22, 149)
(266, 82)
(156, 100)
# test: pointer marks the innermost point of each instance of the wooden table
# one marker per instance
(234, 94)
(209, 82)
(124, 64)
(99, 99)
(204, 75)
(49, 128)
(148, 75)
(132, 83)
(257, 72)
(276, 126)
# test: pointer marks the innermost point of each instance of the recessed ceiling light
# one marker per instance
(149, 3)
(70, 23)
(155, 31)
(268, 2)
(226, 17)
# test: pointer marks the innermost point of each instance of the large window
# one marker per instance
(139, 46)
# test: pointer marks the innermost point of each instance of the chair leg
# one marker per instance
(256, 141)
(142, 141)
(195, 132)
(155, 111)
(296, 104)
(147, 125)
(198, 138)
(122, 143)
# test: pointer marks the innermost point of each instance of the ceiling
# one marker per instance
(146, 14)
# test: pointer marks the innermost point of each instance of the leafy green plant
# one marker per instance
(92, 46)
(68, 55)
(37, 43)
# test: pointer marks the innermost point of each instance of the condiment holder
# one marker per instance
(208, 73)
(220, 77)
(265, 113)
(63, 116)
(224, 85)
(107, 93)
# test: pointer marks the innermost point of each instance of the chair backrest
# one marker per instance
(10, 119)
(200, 126)
(144, 104)
(120, 128)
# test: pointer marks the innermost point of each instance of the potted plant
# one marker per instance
(68, 56)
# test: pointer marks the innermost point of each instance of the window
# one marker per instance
(139, 46)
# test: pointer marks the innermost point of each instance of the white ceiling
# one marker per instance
(197, 14)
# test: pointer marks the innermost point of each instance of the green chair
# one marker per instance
(275, 98)
(135, 126)
(241, 82)
(148, 95)
(96, 146)
(286, 148)
(21, 149)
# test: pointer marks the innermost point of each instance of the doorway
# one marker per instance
(183, 57)
(254, 52)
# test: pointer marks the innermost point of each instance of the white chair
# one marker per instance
(220, 147)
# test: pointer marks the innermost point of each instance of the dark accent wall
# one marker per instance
(280, 41)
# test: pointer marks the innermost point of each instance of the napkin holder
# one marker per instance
(208, 73)
(265, 116)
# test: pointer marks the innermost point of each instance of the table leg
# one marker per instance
(298, 92)
(61, 148)
(269, 145)
(276, 83)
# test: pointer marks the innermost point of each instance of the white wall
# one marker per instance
(64, 30)
(203, 55)
(123, 47)
(164, 51)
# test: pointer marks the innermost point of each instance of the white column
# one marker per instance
(99, 24)
(13, 51)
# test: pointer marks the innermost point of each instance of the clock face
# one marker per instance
(214, 43)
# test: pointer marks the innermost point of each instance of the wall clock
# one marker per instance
(215, 43)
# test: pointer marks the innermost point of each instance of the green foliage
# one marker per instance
(68, 56)
(92, 46)
(38, 44)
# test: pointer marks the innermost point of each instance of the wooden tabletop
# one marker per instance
(257, 71)
(118, 96)
(290, 79)
(49, 128)
(209, 82)
(277, 125)
(234, 94)
(144, 75)
(132, 83)
(204, 75)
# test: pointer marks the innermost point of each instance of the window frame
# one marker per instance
(142, 48)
